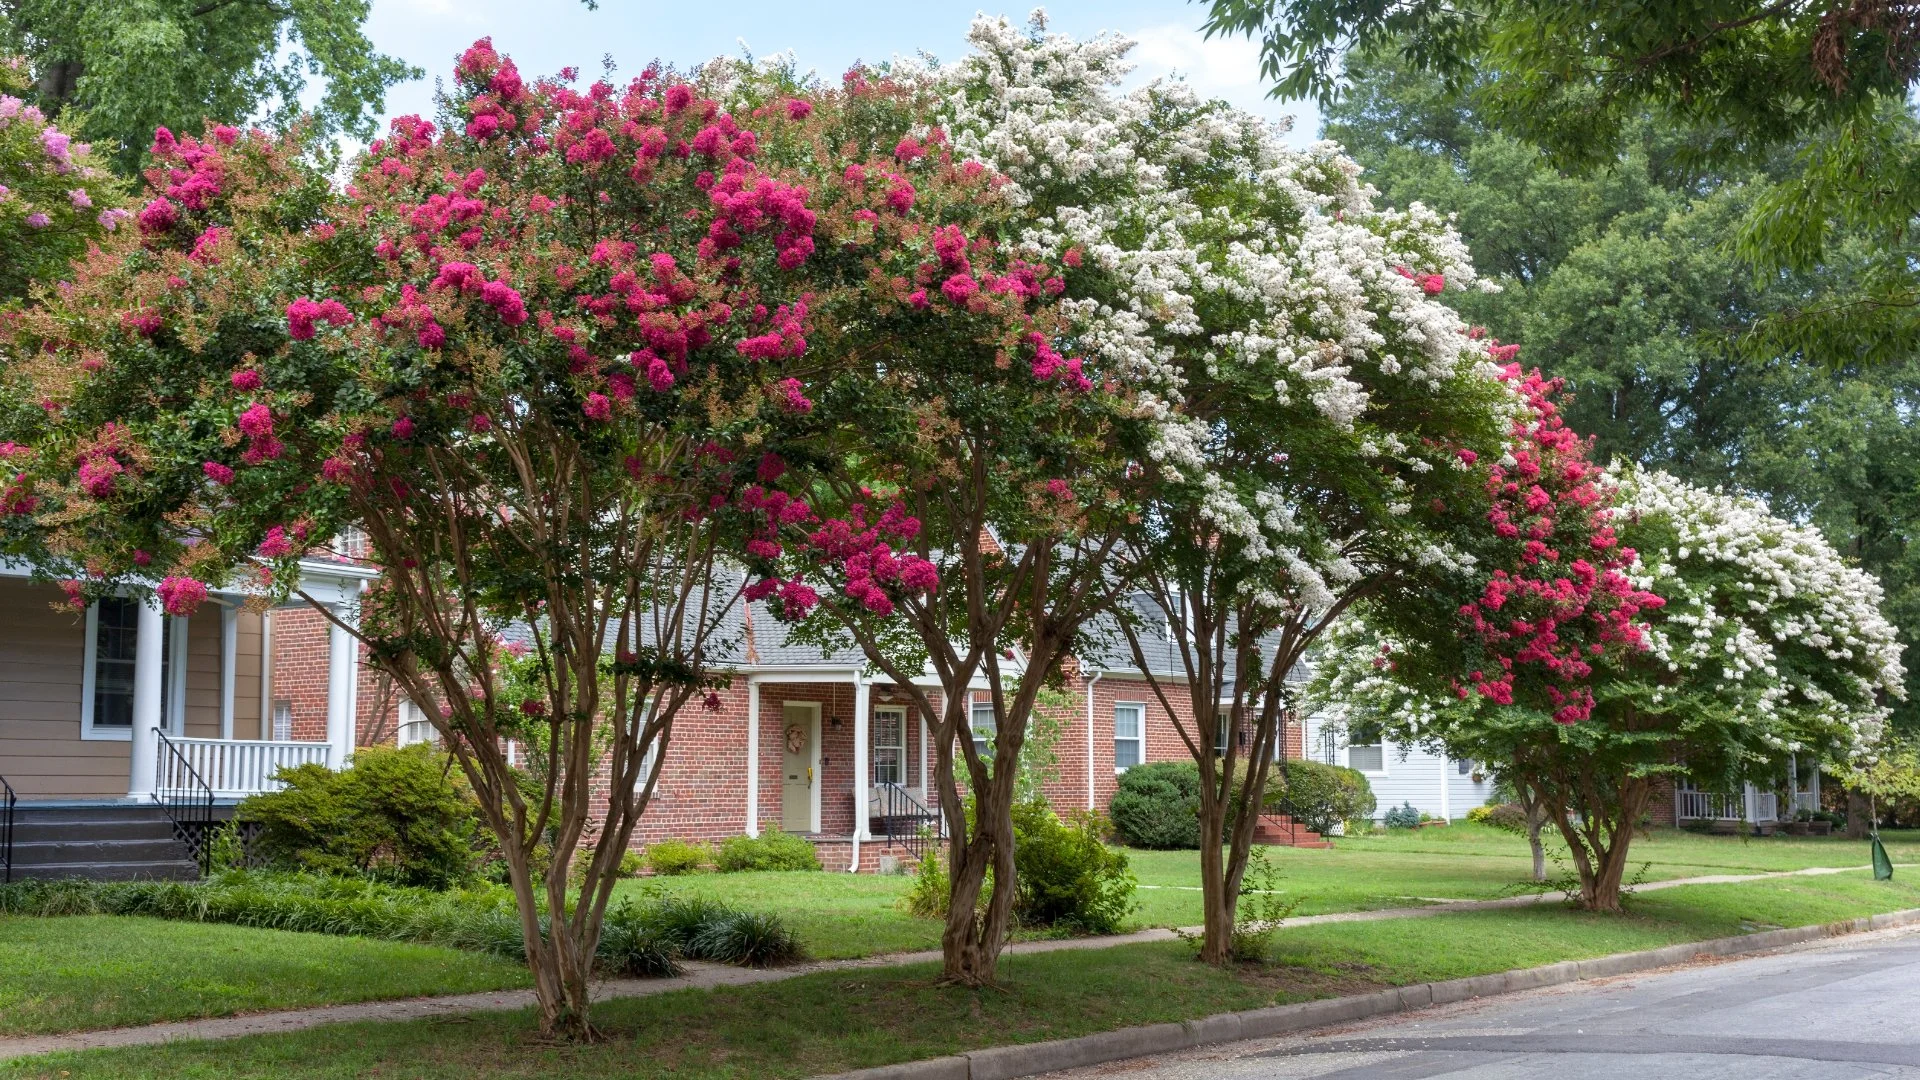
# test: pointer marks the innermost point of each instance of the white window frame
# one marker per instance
(1382, 744)
(1138, 738)
(408, 715)
(900, 747)
(983, 737)
(173, 693)
(652, 755)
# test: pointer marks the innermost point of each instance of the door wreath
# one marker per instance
(796, 738)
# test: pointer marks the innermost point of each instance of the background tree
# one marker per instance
(124, 68)
(1739, 78)
(524, 353)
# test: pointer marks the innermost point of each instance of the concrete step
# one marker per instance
(50, 829)
(61, 852)
(155, 870)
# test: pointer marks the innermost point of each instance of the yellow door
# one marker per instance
(799, 766)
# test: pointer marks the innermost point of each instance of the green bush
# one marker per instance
(772, 850)
(1066, 876)
(637, 939)
(1403, 816)
(927, 897)
(395, 816)
(1320, 796)
(669, 858)
(1158, 806)
(1506, 816)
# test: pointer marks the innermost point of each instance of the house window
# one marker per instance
(1465, 766)
(1223, 729)
(1129, 724)
(984, 729)
(282, 721)
(113, 634)
(889, 745)
(1364, 749)
(414, 726)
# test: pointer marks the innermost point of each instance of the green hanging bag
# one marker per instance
(1882, 866)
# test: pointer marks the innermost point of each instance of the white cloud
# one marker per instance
(1220, 67)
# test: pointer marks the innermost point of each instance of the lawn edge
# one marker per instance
(1032, 1059)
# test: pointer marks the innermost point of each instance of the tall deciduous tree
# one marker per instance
(126, 67)
(525, 353)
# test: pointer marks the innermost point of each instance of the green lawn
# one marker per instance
(843, 915)
(98, 971)
(839, 1020)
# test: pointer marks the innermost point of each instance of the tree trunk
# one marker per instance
(559, 979)
(1859, 816)
(1600, 844)
(1218, 895)
(1536, 820)
(971, 943)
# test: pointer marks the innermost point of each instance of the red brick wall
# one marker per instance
(300, 662)
(1660, 804)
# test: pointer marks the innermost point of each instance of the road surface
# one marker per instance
(1830, 1012)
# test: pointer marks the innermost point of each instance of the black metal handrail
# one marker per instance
(7, 802)
(186, 799)
(902, 818)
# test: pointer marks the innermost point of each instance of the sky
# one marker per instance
(544, 36)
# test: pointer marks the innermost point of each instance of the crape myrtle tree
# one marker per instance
(1763, 643)
(55, 197)
(1330, 414)
(969, 476)
(522, 349)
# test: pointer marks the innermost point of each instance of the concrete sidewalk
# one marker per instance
(701, 976)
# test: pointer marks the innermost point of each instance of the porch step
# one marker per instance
(104, 842)
(1280, 830)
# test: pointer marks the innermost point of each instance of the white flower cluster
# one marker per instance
(1763, 609)
(1292, 281)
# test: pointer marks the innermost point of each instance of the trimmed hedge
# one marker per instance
(771, 850)
(1158, 806)
(647, 938)
(1320, 796)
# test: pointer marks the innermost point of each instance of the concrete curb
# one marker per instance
(1031, 1059)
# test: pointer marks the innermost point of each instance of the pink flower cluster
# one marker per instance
(746, 202)
(256, 423)
(276, 545)
(303, 315)
(1050, 366)
(871, 573)
(783, 339)
(181, 596)
(1561, 599)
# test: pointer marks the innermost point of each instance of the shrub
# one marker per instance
(1066, 876)
(927, 897)
(1509, 817)
(1320, 796)
(395, 816)
(1403, 816)
(638, 939)
(673, 857)
(772, 850)
(1158, 806)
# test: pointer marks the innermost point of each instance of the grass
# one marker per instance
(851, 1019)
(844, 915)
(97, 971)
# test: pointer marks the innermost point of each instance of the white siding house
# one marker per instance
(1399, 774)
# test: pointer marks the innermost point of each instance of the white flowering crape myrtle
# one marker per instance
(1286, 333)
(1764, 620)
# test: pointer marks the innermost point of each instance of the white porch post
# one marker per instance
(343, 664)
(148, 688)
(1813, 786)
(862, 792)
(229, 649)
(753, 757)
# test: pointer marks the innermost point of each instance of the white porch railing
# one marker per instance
(1806, 800)
(236, 768)
(1711, 806)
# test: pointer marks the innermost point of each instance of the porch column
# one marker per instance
(862, 756)
(753, 757)
(148, 688)
(1813, 786)
(343, 670)
(229, 650)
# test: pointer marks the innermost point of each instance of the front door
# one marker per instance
(799, 766)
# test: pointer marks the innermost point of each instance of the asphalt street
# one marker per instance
(1837, 1011)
